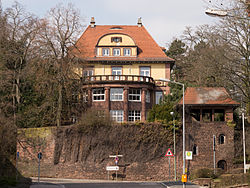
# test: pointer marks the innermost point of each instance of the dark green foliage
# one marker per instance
(161, 113)
(176, 48)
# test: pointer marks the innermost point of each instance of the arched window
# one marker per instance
(222, 164)
(222, 139)
(195, 150)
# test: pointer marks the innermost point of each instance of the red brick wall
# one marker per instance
(201, 134)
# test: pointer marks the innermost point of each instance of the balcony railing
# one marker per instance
(118, 78)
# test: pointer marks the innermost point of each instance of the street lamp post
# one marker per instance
(172, 114)
(183, 123)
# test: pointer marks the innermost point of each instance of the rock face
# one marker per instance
(70, 153)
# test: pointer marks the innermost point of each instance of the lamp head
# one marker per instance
(171, 113)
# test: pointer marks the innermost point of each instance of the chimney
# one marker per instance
(139, 23)
(92, 22)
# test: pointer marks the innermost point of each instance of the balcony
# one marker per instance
(100, 79)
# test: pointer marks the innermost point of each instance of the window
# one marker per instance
(144, 71)
(134, 115)
(134, 95)
(195, 150)
(116, 52)
(195, 113)
(85, 96)
(116, 94)
(117, 115)
(116, 39)
(222, 164)
(158, 97)
(116, 71)
(98, 94)
(207, 115)
(105, 51)
(222, 139)
(219, 115)
(127, 52)
(148, 96)
(75, 97)
(88, 72)
(73, 119)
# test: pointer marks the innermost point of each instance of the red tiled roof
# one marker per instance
(207, 96)
(148, 48)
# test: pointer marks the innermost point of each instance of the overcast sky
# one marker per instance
(164, 19)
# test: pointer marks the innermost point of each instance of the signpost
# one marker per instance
(214, 141)
(116, 167)
(112, 168)
(39, 156)
(17, 157)
(169, 154)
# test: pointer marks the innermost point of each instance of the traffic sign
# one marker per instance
(189, 155)
(39, 155)
(169, 153)
(17, 154)
(112, 168)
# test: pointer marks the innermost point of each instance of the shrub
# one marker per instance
(203, 173)
(92, 120)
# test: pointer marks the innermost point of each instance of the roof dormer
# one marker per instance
(116, 39)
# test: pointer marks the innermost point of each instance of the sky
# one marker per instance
(164, 19)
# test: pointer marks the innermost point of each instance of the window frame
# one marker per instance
(148, 97)
(98, 94)
(88, 72)
(133, 95)
(133, 115)
(195, 150)
(147, 69)
(116, 50)
(116, 95)
(115, 115)
(116, 39)
(127, 50)
(85, 95)
(117, 72)
(220, 139)
(105, 50)
(160, 99)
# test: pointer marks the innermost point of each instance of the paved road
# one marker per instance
(114, 185)
(74, 183)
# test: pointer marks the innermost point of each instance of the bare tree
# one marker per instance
(234, 30)
(58, 34)
(18, 30)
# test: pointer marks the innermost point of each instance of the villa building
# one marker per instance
(121, 67)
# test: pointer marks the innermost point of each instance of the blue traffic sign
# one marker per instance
(17, 154)
(39, 156)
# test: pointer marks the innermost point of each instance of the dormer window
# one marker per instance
(105, 51)
(127, 52)
(116, 52)
(116, 39)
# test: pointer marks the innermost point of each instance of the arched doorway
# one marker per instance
(222, 164)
